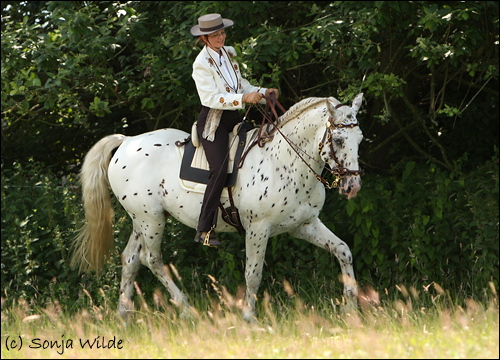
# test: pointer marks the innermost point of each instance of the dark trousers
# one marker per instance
(218, 158)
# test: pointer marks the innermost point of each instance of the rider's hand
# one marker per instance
(268, 91)
(252, 98)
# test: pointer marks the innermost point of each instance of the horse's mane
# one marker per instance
(299, 108)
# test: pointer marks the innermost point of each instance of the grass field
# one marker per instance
(421, 324)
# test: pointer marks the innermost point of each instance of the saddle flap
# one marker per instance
(195, 167)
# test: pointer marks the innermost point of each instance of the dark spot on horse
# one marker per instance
(147, 154)
(124, 196)
(150, 194)
(116, 160)
(145, 212)
(181, 206)
(260, 198)
(135, 193)
(139, 149)
(296, 191)
(157, 145)
(124, 167)
(272, 205)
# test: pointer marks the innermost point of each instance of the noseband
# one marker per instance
(338, 170)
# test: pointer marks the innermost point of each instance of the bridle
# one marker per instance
(339, 171)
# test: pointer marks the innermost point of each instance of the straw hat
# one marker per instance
(210, 23)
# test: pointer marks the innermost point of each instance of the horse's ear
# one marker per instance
(331, 109)
(356, 103)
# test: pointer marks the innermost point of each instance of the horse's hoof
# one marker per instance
(249, 315)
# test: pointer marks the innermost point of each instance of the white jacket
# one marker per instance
(213, 88)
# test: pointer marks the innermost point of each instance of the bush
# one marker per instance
(423, 225)
(428, 225)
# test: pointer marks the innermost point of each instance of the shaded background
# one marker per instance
(74, 72)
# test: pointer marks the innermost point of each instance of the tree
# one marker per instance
(73, 72)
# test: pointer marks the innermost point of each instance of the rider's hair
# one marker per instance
(201, 41)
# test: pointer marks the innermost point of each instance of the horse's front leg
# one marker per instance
(315, 232)
(255, 244)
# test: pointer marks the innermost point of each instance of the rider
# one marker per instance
(222, 92)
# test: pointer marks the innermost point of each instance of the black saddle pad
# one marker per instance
(201, 176)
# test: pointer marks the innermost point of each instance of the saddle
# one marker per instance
(195, 170)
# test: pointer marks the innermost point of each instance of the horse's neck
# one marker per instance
(304, 128)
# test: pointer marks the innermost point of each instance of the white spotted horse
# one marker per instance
(277, 191)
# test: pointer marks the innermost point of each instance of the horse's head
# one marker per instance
(339, 147)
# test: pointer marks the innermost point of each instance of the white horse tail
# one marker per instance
(93, 242)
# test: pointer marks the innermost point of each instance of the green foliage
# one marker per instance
(73, 72)
(429, 225)
(34, 241)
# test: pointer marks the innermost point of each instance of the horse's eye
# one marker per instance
(339, 142)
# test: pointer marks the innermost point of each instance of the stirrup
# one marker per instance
(206, 241)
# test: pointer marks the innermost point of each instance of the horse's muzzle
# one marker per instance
(349, 186)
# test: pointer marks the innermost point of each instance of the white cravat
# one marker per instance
(226, 70)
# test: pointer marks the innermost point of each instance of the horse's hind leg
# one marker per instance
(130, 268)
(315, 232)
(151, 256)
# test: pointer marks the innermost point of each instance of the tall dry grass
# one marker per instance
(425, 323)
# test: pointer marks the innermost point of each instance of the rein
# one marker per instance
(339, 171)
